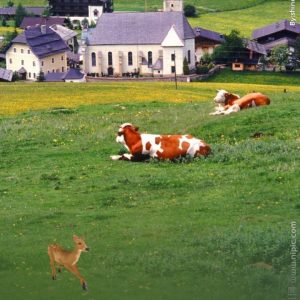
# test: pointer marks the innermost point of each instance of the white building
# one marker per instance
(37, 49)
(150, 43)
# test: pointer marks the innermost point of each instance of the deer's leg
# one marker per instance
(52, 264)
(74, 270)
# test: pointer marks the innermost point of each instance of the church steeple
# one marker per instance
(173, 5)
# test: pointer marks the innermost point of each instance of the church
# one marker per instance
(148, 44)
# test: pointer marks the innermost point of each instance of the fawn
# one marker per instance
(67, 259)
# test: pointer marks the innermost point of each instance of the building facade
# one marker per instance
(150, 44)
(37, 49)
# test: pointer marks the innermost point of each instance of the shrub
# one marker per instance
(186, 69)
(202, 70)
(189, 10)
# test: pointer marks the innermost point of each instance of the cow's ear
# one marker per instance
(136, 128)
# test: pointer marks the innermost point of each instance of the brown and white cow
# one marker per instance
(142, 146)
(229, 103)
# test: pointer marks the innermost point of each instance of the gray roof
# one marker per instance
(71, 74)
(138, 28)
(33, 21)
(6, 74)
(208, 34)
(65, 33)
(42, 44)
(256, 47)
(275, 27)
(11, 11)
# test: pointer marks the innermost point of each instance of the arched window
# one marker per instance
(189, 56)
(93, 59)
(129, 58)
(150, 58)
(110, 59)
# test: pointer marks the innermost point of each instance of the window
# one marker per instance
(22, 62)
(150, 58)
(173, 57)
(129, 58)
(34, 76)
(42, 63)
(10, 61)
(53, 60)
(62, 69)
(22, 50)
(29, 75)
(110, 59)
(62, 58)
(189, 56)
(33, 63)
(237, 65)
(53, 71)
(173, 69)
(93, 59)
(96, 13)
(28, 51)
(15, 50)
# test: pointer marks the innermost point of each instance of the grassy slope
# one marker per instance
(158, 230)
(19, 97)
(272, 78)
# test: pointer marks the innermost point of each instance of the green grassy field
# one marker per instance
(265, 77)
(158, 230)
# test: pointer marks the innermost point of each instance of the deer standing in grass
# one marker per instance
(67, 259)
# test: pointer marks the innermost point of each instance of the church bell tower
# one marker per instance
(173, 5)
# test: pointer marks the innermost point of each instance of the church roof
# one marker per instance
(138, 28)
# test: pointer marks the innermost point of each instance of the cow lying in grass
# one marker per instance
(143, 146)
(229, 103)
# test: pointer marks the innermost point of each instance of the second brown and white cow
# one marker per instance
(142, 146)
(229, 103)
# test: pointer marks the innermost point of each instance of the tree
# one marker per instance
(41, 77)
(20, 14)
(233, 49)
(189, 10)
(10, 4)
(186, 69)
(85, 23)
(46, 12)
(3, 22)
(280, 55)
(8, 37)
(206, 59)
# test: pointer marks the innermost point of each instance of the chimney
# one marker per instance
(43, 29)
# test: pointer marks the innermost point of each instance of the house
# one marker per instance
(37, 21)
(253, 51)
(80, 9)
(206, 41)
(148, 43)
(279, 33)
(72, 75)
(37, 49)
(10, 12)
(5, 75)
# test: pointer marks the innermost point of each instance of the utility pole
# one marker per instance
(175, 70)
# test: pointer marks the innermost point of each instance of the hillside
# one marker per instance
(215, 228)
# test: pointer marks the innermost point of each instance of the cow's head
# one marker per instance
(223, 97)
(125, 129)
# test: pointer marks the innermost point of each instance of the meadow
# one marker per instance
(214, 228)
(219, 15)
